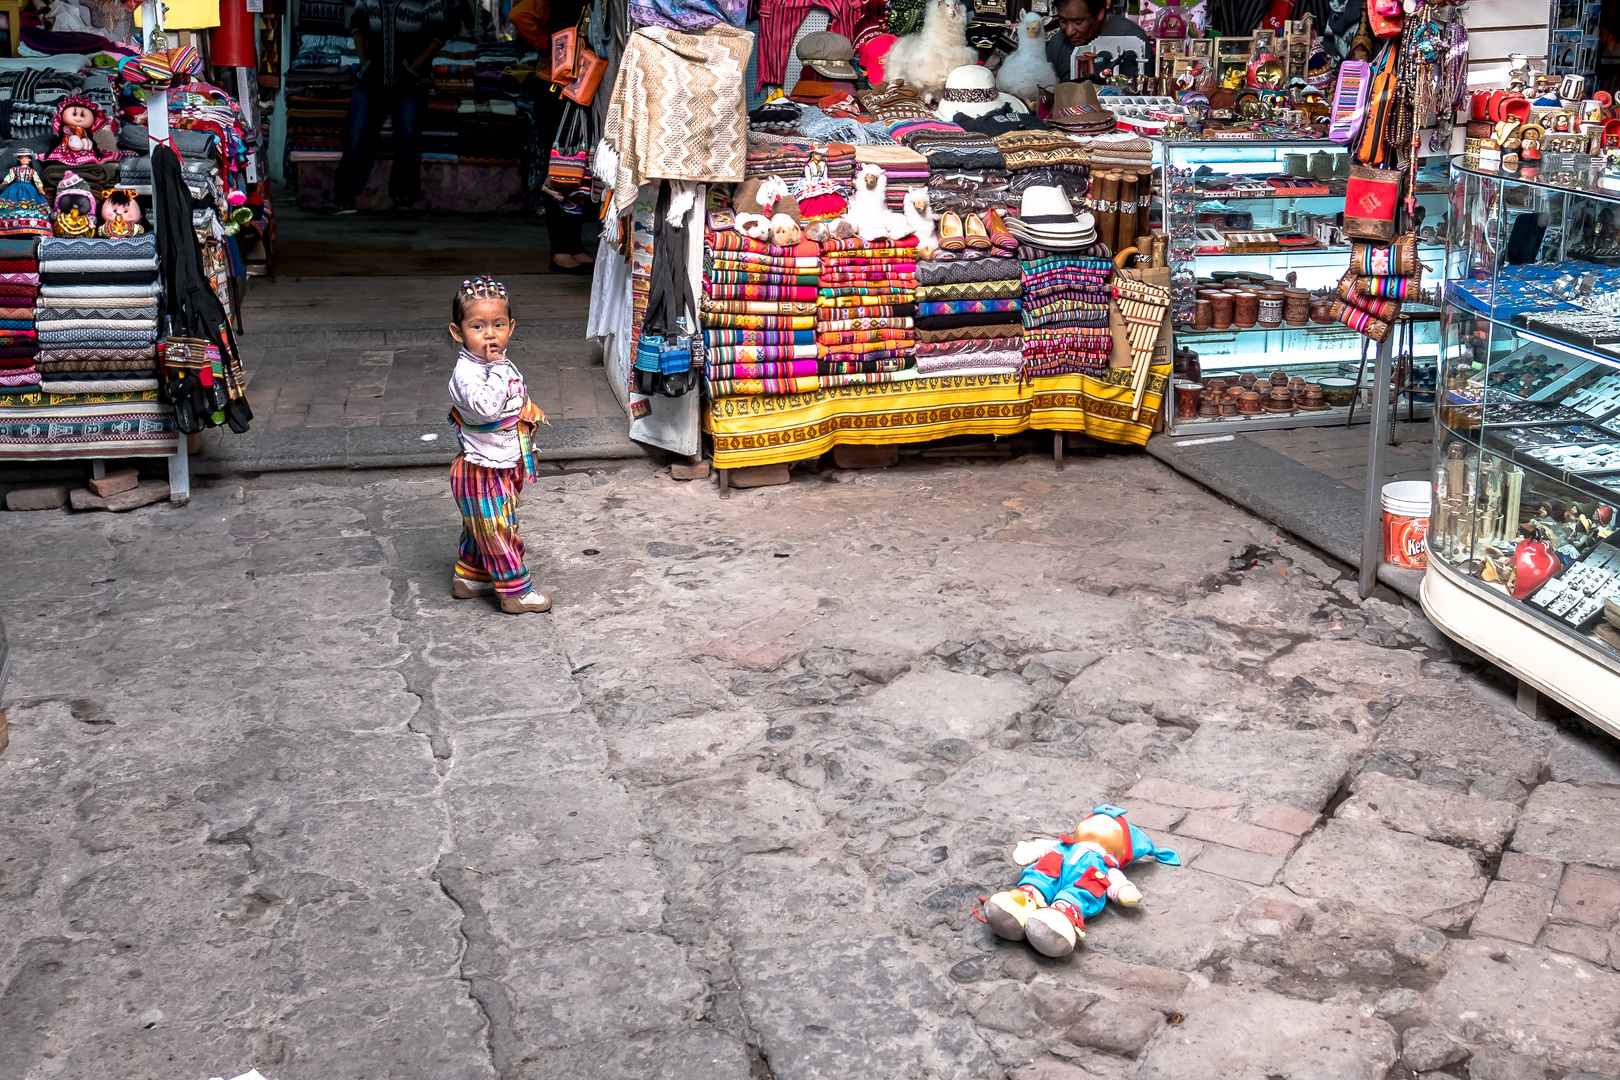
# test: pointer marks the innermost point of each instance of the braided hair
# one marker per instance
(478, 288)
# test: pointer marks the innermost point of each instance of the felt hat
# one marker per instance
(1045, 219)
(971, 91)
(829, 54)
(1075, 108)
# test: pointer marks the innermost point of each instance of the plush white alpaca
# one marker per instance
(925, 58)
(1027, 70)
(920, 220)
(868, 211)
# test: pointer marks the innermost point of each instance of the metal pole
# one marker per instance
(157, 130)
(1372, 538)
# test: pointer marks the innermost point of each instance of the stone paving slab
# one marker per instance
(274, 799)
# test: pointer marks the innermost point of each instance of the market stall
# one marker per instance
(929, 236)
(125, 186)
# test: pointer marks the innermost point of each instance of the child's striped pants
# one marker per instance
(491, 549)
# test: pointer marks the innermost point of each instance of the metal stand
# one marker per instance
(1372, 533)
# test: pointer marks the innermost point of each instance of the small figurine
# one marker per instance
(1071, 878)
(120, 215)
(77, 120)
(24, 210)
(75, 208)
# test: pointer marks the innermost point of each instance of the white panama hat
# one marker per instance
(1045, 219)
(971, 91)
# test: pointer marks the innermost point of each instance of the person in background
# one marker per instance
(396, 41)
(537, 20)
(1081, 22)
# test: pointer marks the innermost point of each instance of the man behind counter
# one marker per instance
(1081, 22)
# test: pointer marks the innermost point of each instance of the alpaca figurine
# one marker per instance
(920, 219)
(925, 58)
(1027, 70)
(868, 210)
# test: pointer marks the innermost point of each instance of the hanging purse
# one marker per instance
(568, 177)
(668, 360)
(1399, 259)
(566, 46)
(583, 88)
(1373, 194)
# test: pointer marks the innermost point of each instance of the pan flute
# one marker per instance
(1143, 306)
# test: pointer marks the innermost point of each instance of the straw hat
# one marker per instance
(1075, 108)
(971, 91)
(1045, 219)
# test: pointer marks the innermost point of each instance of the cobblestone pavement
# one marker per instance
(274, 799)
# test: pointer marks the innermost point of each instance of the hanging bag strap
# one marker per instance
(1380, 107)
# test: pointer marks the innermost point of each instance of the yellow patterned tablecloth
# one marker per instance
(766, 429)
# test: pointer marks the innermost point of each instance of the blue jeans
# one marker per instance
(370, 105)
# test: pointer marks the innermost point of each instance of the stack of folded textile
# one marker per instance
(1047, 158)
(1066, 290)
(759, 304)
(786, 156)
(19, 285)
(1066, 297)
(904, 169)
(97, 315)
(969, 307)
(864, 327)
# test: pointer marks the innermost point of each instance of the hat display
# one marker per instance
(828, 54)
(1075, 108)
(1045, 219)
(873, 52)
(971, 91)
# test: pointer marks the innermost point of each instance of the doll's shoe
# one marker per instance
(1052, 932)
(533, 600)
(950, 232)
(1000, 236)
(974, 232)
(468, 588)
(1007, 912)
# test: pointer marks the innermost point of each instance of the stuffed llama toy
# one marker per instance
(1027, 70)
(925, 58)
(920, 220)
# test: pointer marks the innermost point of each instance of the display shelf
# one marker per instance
(1527, 465)
(1422, 189)
(1334, 416)
(1568, 667)
(1587, 184)
(1336, 249)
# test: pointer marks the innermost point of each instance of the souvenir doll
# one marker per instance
(24, 210)
(120, 215)
(75, 208)
(1071, 879)
(77, 120)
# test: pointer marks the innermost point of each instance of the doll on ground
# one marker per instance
(1071, 879)
(495, 422)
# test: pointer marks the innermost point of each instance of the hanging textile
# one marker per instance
(189, 300)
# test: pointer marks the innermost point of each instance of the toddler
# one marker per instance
(494, 421)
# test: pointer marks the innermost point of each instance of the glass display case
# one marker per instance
(1262, 216)
(1524, 545)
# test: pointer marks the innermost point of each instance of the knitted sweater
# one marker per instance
(484, 393)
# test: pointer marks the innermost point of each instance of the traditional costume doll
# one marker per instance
(24, 210)
(75, 216)
(1071, 879)
(120, 215)
(77, 120)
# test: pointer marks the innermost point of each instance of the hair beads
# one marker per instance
(482, 288)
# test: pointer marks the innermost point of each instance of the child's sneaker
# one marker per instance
(466, 588)
(533, 600)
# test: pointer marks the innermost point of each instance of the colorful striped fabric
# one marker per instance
(963, 307)
(754, 354)
(490, 549)
(787, 369)
(721, 337)
(719, 388)
(723, 319)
